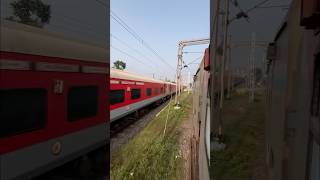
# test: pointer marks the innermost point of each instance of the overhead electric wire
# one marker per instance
(126, 28)
(135, 50)
(115, 17)
(196, 52)
(102, 3)
(247, 11)
(278, 6)
(194, 60)
(257, 5)
(119, 50)
(127, 45)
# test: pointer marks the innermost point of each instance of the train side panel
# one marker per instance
(292, 145)
(123, 87)
(53, 100)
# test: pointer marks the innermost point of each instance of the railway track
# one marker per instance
(121, 124)
(122, 133)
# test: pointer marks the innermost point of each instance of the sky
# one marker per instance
(162, 24)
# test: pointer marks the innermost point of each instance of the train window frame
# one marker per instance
(73, 112)
(119, 100)
(23, 95)
(149, 92)
(135, 96)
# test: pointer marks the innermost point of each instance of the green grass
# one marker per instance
(150, 155)
(243, 124)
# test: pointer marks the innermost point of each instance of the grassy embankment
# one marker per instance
(243, 124)
(150, 155)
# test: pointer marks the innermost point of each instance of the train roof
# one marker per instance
(121, 74)
(21, 38)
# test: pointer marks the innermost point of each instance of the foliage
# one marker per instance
(150, 155)
(31, 12)
(243, 157)
(119, 65)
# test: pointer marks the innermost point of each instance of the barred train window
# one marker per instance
(82, 102)
(22, 110)
(149, 92)
(116, 96)
(135, 93)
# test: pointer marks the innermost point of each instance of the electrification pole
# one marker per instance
(214, 32)
(229, 70)
(178, 74)
(223, 60)
(252, 68)
(181, 45)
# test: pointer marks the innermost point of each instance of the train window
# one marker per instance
(22, 110)
(156, 91)
(149, 92)
(116, 96)
(135, 93)
(82, 102)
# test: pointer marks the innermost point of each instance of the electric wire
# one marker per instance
(127, 54)
(133, 49)
(124, 25)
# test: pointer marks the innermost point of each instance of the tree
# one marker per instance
(30, 12)
(119, 65)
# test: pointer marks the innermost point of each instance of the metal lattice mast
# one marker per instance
(181, 45)
(229, 68)
(252, 68)
(214, 32)
(178, 75)
(223, 62)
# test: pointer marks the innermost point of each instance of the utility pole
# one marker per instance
(178, 70)
(189, 82)
(181, 45)
(264, 63)
(223, 60)
(229, 70)
(214, 33)
(252, 68)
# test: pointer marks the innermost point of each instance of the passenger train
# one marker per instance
(53, 101)
(201, 117)
(130, 92)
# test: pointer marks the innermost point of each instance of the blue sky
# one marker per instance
(161, 24)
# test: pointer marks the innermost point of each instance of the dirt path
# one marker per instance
(185, 144)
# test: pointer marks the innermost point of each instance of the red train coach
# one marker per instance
(130, 92)
(53, 100)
